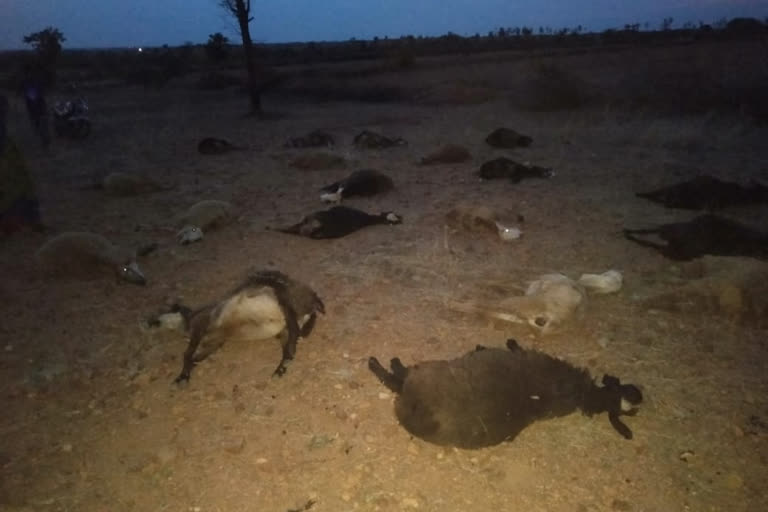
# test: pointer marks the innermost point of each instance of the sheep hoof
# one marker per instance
(182, 379)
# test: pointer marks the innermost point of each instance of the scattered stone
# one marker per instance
(686, 455)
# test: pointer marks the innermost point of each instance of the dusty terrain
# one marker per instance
(92, 422)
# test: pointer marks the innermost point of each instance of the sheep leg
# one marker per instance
(198, 331)
(398, 369)
(617, 424)
(390, 380)
(290, 334)
(629, 235)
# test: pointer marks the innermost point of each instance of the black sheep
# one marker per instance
(214, 146)
(707, 193)
(490, 395)
(337, 222)
(505, 168)
(365, 182)
(706, 234)
(372, 140)
(508, 138)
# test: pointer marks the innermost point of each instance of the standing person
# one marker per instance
(37, 107)
(19, 207)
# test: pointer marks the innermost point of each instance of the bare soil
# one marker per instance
(92, 422)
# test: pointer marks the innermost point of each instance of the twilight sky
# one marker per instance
(115, 23)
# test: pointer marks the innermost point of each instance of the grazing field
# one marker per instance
(92, 422)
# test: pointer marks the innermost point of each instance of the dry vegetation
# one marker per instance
(91, 421)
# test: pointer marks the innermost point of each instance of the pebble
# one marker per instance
(384, 395)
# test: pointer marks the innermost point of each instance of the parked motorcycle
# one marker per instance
(70, 118)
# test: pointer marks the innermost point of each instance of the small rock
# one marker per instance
(66, 448)
(603, 341)
(261, 460)
(686, 455)
(234, 445)
(383, 395)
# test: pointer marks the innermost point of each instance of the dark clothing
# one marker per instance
(37, 108)
(18, 202)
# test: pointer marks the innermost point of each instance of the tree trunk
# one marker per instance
(254, 89)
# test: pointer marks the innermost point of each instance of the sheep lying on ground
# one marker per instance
(265, 305)
(489, 395)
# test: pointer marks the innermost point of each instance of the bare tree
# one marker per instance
(241, 10)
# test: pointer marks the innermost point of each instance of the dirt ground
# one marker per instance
(92, 422)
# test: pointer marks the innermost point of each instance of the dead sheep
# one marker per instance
(202, 217)
(705, 234)
(314, 139)
(448, 154)
(337, 222)
(469, 217)
(508, 139)
(372, 140)
(365, 182)
(505, 168)
(215, 146)
(88, 255)
(707, 193)
(267, 304)
(489, 395)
